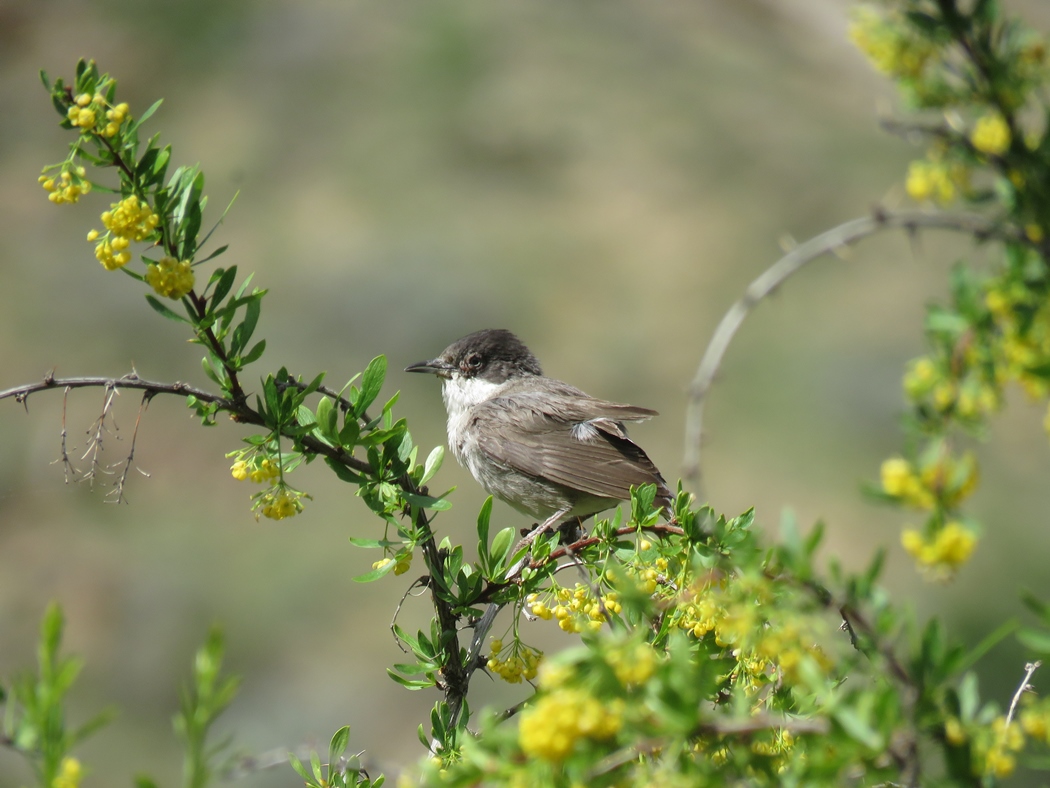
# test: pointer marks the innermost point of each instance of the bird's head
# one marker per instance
(493, 355)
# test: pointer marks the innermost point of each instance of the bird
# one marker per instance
(543, 446)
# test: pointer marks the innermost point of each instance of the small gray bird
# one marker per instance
(543, 446)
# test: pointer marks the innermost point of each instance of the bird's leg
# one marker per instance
(529, 538)
(570, 531)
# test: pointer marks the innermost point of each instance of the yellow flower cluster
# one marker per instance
(576, 609)
(131, 218)
(633, 664)
(936, 181)
(891, 50)
(969, 394)
(514, 663)
(994, 746)
(551, 727)
(991, 134)
(944, 551)
(778, 742)
(68, 188)
(170, 278)
(402, 565)
(738, 615)
(1023, 322)
(998, 752)
(114, 118)
(1035, 722)
(84, 114)
(945, 480)
(259, 471)
(126, 221)
(69, 774)
(280, 503)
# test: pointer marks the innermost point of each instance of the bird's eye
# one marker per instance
(473, 361)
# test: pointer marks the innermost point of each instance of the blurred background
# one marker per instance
(603, 178)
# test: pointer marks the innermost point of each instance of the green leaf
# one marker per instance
(51, 633)
(299, 768)
(326, 419)
(857, 728)
(357, 541)
(343, 472)
(411, 684)
(161, 309)
(501, 546)
(428, 502)
(254, 353)
(226, 280)
(1036, 639)
(338, 745)
(433, 464)
(483, 529)
(350, 432)
(244, 331)
(375, 574)
(149, 112)
(371, 384)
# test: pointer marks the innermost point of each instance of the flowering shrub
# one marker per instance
(701, 651)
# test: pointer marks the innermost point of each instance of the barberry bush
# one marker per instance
(700, 650)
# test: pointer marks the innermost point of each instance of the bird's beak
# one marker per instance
(435, 366)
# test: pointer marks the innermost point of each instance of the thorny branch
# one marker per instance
(837, 238)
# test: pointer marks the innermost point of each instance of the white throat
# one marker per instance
(461, 396)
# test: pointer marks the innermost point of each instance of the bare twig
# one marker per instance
(837, 238)
(68, 469)
(1029, 669)
(118, 488)
(95, 438)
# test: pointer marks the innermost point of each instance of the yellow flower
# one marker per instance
(889, 51)
(131, 219)
(920, 377)
(633, 666)
(239, 470)
(403, 564)
(279, 503)
(991, 134)
(934, 180)
(69, 774)
(945, 551)
(382, 562)
(551, 727)
(954, 731)
(1034, 722)
(170, 277)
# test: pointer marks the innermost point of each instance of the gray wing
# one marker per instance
(567, 438)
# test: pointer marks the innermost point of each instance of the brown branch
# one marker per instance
(129, 381)
(238, 410)
(981, 227)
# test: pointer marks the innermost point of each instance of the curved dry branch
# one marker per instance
(981, 227)
(129, 381)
